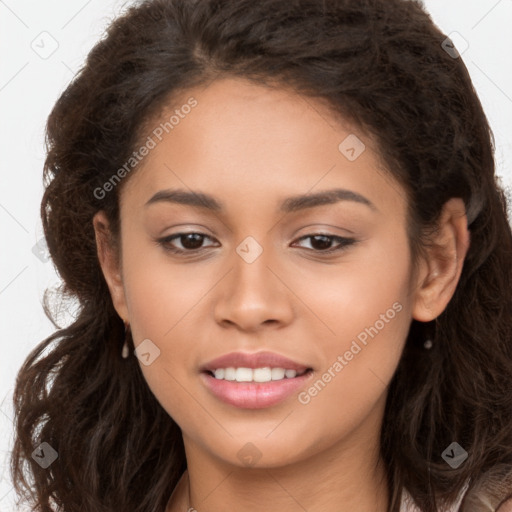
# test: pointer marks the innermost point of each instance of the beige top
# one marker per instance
(409, 505)
(483, 501)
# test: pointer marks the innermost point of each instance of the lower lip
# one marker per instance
(254, 395)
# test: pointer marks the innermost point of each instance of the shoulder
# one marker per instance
(407, 503)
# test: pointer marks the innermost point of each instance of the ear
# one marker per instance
(440, 270)
(110, 264)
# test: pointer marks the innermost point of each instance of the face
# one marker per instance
(325, 283)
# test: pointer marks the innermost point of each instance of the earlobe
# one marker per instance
(110, 266)
(442, 267)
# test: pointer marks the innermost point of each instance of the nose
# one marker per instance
(254, 296)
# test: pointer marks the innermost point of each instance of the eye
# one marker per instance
(189, 242)
(323, 243)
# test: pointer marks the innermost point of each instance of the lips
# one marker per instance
(255, 395)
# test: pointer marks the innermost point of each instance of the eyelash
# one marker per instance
(344, 243)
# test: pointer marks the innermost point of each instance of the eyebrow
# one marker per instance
(290, 204)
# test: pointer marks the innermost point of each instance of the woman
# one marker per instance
(294, 266)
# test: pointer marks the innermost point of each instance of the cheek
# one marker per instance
(159, 292)
(352, 294)
(365, 312)
(161, 299)
(347, 395)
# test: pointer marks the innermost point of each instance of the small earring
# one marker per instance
(126, 351)
(428, 344)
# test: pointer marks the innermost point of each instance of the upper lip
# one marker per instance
(254, 360)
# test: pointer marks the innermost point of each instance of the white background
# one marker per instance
(30, 85)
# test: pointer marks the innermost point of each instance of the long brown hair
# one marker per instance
(381, 64)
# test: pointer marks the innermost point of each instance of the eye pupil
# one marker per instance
(195, 239)
(325, 242)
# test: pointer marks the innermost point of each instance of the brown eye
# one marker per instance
(186, 242)
(323, 243)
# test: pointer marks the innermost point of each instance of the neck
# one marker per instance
(343, 478)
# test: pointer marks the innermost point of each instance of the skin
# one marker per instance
(251, 147)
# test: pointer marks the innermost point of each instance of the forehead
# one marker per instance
(242, 140)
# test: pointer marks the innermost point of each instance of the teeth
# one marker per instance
(278, 373)
(262, 374)
(265, 374)
(229, 373)
(243, 374)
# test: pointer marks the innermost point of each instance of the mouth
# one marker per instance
(254, 380)
(255, 388)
